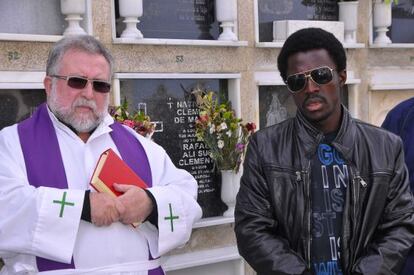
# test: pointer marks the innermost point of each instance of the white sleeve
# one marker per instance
(175, 192)
(34, 220)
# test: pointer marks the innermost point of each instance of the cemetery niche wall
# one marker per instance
(172, 106)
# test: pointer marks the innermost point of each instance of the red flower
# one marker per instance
(203, 118)
(129, 123)
(251, 127)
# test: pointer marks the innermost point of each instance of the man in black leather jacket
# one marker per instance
(323, 193)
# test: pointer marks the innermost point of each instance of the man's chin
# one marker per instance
(315, 116)
(84, 125)
(84, 128)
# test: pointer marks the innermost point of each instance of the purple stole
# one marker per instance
(41, 151)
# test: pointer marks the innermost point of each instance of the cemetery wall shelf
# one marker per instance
(280, 44)
(179, 42)
(29, 37)
(212, 221)
(393, 45)
(199, 258)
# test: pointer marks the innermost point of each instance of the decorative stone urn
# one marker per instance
(131, 10)
(230, 184)
(226, 13)
(348, 13)
(73, 9)
(382, 20)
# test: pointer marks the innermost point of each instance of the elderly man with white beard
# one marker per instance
(50, 220)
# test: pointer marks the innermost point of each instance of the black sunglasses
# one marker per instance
(296, 82)
(79, 82)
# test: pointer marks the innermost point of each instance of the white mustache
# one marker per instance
(83, 102)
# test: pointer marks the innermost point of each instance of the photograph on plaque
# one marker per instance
(402, 26)
(271, 10)
(17, 105)
(175, 19)
(171, 105)
(276, 104)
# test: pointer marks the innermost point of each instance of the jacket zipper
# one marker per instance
(356, 181)
(309, 214)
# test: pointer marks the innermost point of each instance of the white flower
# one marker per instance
(223, 126)
(212, 129)
(228, 133)
(220, 144)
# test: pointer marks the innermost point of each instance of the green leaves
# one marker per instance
(222, 132)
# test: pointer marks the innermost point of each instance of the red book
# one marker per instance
(112, 169)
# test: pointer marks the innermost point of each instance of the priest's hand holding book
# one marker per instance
(132, 207)
(104, 209)
(121, 195)
(137, 205)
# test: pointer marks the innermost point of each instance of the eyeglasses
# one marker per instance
(296, 82)
(78, 82)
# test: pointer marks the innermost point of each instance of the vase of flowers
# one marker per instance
(137, 120)
(226, 138)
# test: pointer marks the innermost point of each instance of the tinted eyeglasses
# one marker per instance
(79, 82)
(297, 82)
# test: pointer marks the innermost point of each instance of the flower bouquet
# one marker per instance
(224, 134)
(138, 121)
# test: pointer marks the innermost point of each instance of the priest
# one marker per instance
(50, 220)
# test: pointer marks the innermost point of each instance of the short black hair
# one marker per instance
(309, 39)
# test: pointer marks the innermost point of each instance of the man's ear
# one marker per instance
(342, 77)
(47, 83)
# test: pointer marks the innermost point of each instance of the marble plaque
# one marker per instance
(171, 105)
(275, 104)
(16, 105)
(271, 10)
(175, 19)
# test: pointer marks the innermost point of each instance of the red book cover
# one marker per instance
(112, 169)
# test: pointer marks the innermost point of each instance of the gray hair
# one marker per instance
(84, 43)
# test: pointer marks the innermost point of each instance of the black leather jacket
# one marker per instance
(273, 208)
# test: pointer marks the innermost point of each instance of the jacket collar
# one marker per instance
(310, 137)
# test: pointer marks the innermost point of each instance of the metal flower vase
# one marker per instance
(230, 184)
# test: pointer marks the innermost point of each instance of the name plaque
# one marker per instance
(172, 107)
